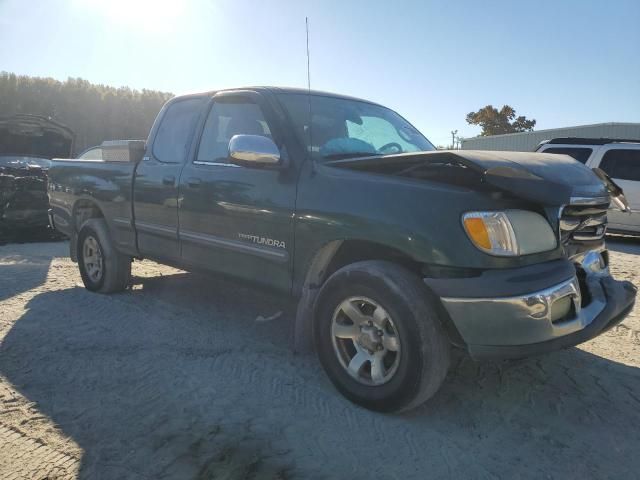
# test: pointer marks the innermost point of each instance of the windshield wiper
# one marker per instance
(344, 155)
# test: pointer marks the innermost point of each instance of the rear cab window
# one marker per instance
(580, 154)
(173, 137)
(622, 164)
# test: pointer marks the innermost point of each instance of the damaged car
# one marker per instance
(27, 143)
(395, 253)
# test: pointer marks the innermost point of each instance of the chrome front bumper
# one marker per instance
(532, 318)
(565, 314)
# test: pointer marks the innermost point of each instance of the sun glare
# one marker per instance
(147, 15)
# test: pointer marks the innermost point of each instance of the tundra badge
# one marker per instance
(262, 240)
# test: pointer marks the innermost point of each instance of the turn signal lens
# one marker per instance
(491, 232)
(477, 232)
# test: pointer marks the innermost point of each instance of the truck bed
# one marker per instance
(107, 184)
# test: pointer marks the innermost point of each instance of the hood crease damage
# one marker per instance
(546, 179)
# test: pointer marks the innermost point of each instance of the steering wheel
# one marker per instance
(394, 145)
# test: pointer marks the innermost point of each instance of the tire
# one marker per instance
(411, 358)
(96, 248)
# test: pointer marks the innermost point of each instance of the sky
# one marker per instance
(561, 62)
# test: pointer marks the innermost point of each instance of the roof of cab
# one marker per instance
(276, 90)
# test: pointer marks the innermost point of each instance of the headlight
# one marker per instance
(510, 232)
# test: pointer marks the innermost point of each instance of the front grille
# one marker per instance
(583, 223)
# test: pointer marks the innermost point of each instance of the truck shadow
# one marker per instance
(29, 235)
(177, 379)
(20, 273)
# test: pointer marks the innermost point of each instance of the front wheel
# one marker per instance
(102, 268)
(378, 337)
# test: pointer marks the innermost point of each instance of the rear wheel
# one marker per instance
(378, 338)
(102, 268)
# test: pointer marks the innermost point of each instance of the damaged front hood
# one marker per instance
(547, 179)
(34, 136)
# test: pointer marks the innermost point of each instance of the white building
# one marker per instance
(528, 141)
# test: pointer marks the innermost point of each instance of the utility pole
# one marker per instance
(453, 139)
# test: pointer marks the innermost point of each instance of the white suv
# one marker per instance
(620, 159)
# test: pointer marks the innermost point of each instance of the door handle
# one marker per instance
(169, 180)
(194, 182)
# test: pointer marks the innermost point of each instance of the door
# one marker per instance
(156, 180)
(238, 220)
(622, 164)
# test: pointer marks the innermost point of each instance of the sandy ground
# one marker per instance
(177, 379)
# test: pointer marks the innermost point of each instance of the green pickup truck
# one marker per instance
(394, 252)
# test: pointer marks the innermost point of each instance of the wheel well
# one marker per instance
(356, 251)
(330, 258)
(83, 210)
(351, 251)
(338, 254)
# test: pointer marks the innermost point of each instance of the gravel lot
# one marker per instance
(177, 379)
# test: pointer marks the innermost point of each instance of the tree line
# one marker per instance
(94, 112)
(100, 112)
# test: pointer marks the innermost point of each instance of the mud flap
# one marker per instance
(302, 336)
(73, 247)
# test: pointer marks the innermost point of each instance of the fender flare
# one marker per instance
(75, 227)
(316, 273)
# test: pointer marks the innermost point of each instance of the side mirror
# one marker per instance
(253, 150)
(616, 193)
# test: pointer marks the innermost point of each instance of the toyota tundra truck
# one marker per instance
(394, 252)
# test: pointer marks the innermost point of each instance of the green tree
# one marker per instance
(94, 112)
(497, 122)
